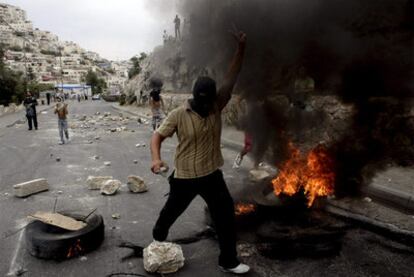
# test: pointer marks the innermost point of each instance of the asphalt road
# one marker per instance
(27, 155)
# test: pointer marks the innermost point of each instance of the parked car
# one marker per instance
(96, 97)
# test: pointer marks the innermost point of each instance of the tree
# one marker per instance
(97, 84)
(136, 65)
(11, 84)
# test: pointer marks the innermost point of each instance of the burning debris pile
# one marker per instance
(313, 173)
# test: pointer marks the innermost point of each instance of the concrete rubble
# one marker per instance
(96, 182)
(116, 216)
(30, 187)
(163, 257)
(110, 187)
(257, 175)
(136, 184)
(59, 220)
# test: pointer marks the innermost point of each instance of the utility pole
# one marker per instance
(61, 67)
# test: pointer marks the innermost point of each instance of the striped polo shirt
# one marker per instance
(198, 151)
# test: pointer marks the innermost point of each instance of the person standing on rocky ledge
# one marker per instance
(198, 160)
(177, 25)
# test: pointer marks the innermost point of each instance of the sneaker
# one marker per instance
(240, 269)
(61, 142)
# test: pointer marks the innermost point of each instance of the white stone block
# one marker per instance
(96, 182)
(30, 187)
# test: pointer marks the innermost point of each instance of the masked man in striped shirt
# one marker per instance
(198, 159)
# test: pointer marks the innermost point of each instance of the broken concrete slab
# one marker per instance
(257, 175)
(30, 187)
(110, 187)
(163, 257)
(136, 184)
(59, 220)
(96, 182)
(116, 216)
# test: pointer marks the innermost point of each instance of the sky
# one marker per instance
(116, 29)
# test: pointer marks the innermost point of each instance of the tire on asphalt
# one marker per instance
(50, 242)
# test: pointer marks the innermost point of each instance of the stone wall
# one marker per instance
(324, 119)
(12, 108)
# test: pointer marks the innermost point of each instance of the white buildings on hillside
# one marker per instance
(41, 54)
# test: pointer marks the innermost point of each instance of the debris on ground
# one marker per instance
(116, 216)
(96, 182)
(135, 161)
(107, 163)
(137, 250)
(58, 159)
(367, 199)
(163, 257)
(258, 175)
(18, 271)
(136, 184)
(30, 187)
(246, 249)
(110, 187)
(83, 258)
(59, 220)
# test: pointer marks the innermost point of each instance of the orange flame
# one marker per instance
(243, 209)
(313, 173)
(75, 250)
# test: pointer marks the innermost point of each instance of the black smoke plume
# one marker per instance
(359, 51)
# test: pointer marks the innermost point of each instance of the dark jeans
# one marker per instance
(30, 119)
(213, 190)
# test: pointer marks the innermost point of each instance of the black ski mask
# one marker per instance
(204, 93)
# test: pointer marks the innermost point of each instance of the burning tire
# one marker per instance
(50, 242)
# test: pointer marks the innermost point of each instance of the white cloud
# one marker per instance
(116, 29)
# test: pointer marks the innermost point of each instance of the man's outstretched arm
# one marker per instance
(156, 142)
(224, 93)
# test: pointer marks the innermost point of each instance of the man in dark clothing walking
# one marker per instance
(198, 160)
(156, 103)
(30, 104)
(48, 97)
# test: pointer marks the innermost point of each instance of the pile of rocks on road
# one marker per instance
(109, 186)
(107, 121)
